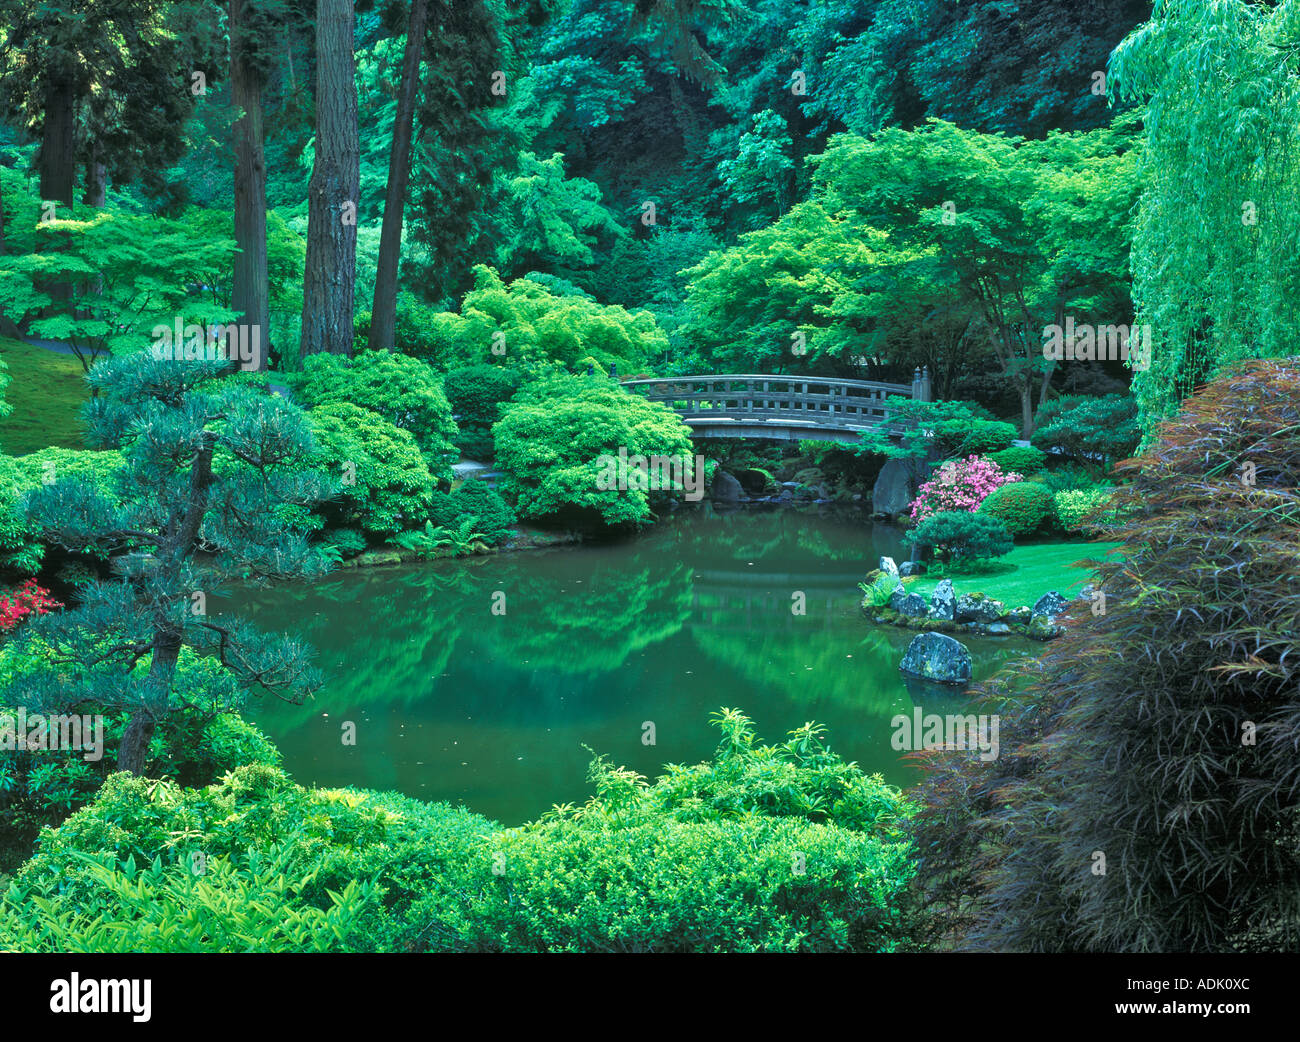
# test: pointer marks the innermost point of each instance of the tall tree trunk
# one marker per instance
(333, 192)
(58, 162)
(96, 186)
(250, 291)
(383, 316)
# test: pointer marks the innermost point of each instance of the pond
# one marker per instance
(485, 681)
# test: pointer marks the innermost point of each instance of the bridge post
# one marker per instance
(921, 384)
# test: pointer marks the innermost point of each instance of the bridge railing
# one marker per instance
(823, 401)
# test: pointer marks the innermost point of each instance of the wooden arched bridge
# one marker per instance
(784, 408)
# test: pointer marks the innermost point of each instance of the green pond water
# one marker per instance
(452, 701)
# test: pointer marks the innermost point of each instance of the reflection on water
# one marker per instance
(454, 702)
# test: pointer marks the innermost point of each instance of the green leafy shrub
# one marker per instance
(672, 863)
(493, 519)
(226, 906)
(1023, 506)
(1103, 429)
(1023, 459)
(1075, 505)
(553, 433)
(349, 541)
(958, 535)
(390, 485)
(765, 848)
(982, 437)
(404, 391)
(1161, 732)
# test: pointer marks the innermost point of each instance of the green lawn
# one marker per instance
(1035, 569)
(46, 390)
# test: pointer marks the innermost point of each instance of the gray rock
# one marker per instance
(937, 656)
(726, 489)
(911, 568)
(942, 601)
(892, 493)
(1019, 616)
(975, 607)
(887, 566)
(1044, 627)
(908, 603)
(1086, 593)
(997, 629)
(1050, 604)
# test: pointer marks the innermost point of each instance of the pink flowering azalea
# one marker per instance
(960, 485)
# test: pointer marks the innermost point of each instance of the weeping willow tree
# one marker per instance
(1218, 224)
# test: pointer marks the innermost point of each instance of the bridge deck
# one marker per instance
(755, 405)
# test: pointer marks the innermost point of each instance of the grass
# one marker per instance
(46, 390)
(1032, 571)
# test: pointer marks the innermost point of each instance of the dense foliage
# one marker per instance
(1023, 506)
(552, 434)
(765, 848)
(407, 393)
(1191, 665)
(958, 535)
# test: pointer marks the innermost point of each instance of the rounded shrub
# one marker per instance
(1022, 458)
(959, 535)
(493, 516)
(1023, 506)
(982, 437)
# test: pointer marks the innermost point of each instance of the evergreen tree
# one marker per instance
(213, 466)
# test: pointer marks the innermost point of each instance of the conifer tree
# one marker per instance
(214, 488)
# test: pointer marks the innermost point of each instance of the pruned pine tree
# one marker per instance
(214, 468)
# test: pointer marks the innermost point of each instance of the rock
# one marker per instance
(911, 568)
(887, 566)
(1086, 593)
(936, 656)
(1043, 627)
(975, 607)
(892, 493)
(725, 489)
(910, 604)
(997, 629)
(1050, 604)
(942, 601)
(1019, 616)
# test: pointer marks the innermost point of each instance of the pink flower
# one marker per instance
(960, 485)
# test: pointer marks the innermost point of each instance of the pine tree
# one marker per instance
(212, 466)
